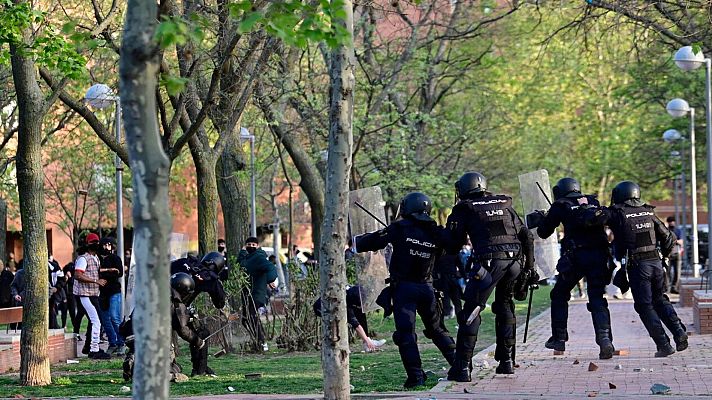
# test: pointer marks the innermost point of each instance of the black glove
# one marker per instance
(534, 219)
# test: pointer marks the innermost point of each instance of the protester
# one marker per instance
(86, 290)
(110, 301)
(262, 275)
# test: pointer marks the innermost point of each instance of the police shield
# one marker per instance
(365, 211)
(536, 194)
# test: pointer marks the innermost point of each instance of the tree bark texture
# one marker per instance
(233, 197)
(34, 356)
(3, 231)
(150, 169)
(335, 347)
(208, 200)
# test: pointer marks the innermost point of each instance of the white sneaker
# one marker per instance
(265, 347)
(376, 343)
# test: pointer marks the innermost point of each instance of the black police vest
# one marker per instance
(491, 223)
(414, 250)
(576, 232)
(637, 232)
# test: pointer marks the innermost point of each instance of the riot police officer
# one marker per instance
(499, 240)
(416, 242)
(182, 287)
(584, 252)
(640, 238)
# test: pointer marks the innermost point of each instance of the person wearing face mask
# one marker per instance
(262, 275)
(222, 249)
(110, 295)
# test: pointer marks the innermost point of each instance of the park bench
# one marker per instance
(10, 315)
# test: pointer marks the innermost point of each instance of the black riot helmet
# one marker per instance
(566, 186)
(625, 190)
(183, 284)
(214, 260)
(416, 205)
(470, 183)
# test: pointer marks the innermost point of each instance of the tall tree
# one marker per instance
(332, 266)
(32, 106)
(150, 170)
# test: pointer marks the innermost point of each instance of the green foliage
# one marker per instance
(295, 22)
(50, 47)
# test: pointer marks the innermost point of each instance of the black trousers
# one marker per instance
(251, 318)
(76, 312)
(591, 263)
(410, 298)
(650, 301)
(502, 274)
(449, 285)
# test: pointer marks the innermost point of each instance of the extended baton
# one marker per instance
(529, 310)
(369, 213)
(543, 192)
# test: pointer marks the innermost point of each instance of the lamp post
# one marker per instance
(245, 135)
(100, 96)
(679, 108)
(670, 136)
(688, 60)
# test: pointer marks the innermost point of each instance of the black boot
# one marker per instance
(460, 371)
(505, 367)
(602, 326)
(664, 350)
(415, 379)
(555, 344)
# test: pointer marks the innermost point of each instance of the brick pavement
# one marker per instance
(543, 374)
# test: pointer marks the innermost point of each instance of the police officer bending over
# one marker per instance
(499, 238)
(182, 287)
(416, 242)
(638, 232)
(584, 252)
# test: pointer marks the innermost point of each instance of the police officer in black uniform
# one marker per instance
(182, 287)
(416, 242)
(208, 274)
(584, 252)
(640, 238)
(499, 240)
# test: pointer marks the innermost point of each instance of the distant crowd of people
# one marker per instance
(90, 286)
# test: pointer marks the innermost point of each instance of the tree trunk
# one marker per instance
(3, 232)
(311, 181)
(335, 349)
(207, 197)
(233, 198)
(34, 356)
(150, 169)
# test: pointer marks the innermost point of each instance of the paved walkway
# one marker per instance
(542, 374)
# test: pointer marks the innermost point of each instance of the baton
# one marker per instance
(543, 192)
(529, 310)
(230, 318)
(369, 213)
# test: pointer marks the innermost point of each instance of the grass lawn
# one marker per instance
(282, 372)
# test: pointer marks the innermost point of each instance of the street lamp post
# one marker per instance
(688, 60)
(99, 96)
(679, 108)
(245, 135)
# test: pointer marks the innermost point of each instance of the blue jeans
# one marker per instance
(110, 320)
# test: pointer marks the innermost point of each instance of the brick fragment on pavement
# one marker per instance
(558, 353)
(623, 352)
(682, 372)
(592, 367)
(612, 385)
(576, 361)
